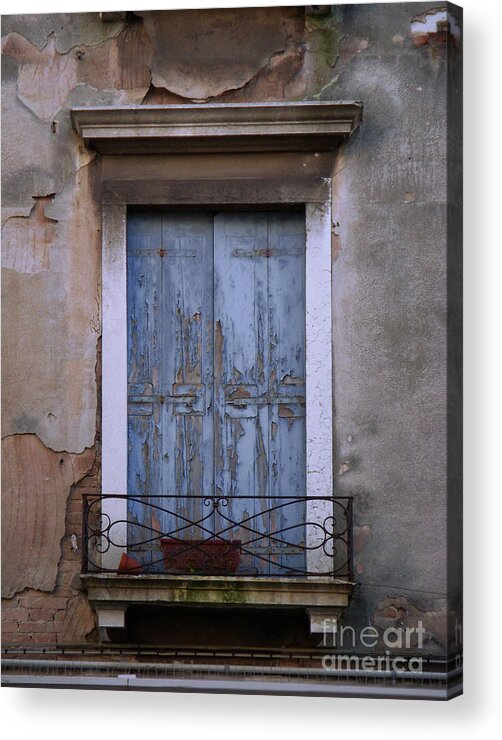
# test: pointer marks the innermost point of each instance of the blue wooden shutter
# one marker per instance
(216, 310)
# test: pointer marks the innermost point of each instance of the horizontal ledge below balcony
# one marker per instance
(236, 591)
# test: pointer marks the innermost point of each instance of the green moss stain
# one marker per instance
(194, 592)
(322, 46)
(323, 32)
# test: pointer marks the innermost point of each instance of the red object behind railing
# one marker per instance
(206, 557)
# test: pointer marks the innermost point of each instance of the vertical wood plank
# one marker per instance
(187, 241)
(145, 304)
(241, 371)
(286, 266)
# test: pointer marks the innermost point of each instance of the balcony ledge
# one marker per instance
(104, 588)
(111, 595)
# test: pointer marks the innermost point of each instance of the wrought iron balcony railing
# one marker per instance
(218, 535)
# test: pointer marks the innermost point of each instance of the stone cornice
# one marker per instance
(298, 126)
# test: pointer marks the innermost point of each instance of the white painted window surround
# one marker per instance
(319, 402)
(305, 126)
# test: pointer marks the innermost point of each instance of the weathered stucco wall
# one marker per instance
(389, 279)
(391, 200)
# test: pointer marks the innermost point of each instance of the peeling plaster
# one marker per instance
(26, 240)
(279, 78)
(79, 621)
(362, 535)
(190, 60)
(36, 483)
(398, 611)
(67, 29)
(54, 155)
(49, 352)
(350, 47)
(83, 94)
(321, 53)
(434, 22)
(120, 65)
(45, 77)
(28, 171)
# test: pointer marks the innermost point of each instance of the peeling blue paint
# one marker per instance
(216, 353)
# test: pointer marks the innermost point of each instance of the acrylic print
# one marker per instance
(231, 442)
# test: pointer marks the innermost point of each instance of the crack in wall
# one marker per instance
(69, 30)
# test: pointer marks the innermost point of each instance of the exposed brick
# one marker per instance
(44, 602)
(65, 590)
(6, 603)
(72, 557)
(73, 500)
(73, 563)
(8, 626)
(16, 613)
(10, 638)
(85, 489)
(66, 584)
(74, 519)
(35, 627)
(390, 611)
(90, 481)
(41, 615)
(43, 639)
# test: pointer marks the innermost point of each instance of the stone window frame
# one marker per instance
(219, 128)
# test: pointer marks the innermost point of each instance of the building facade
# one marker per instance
(231, 252)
